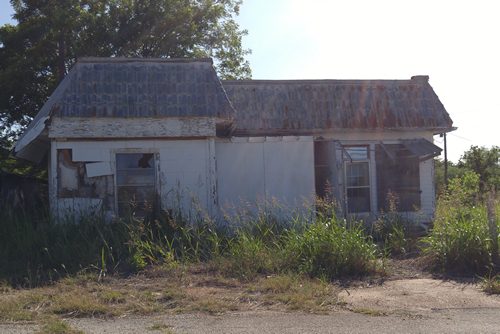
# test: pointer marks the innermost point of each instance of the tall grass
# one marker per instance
(459, 241)
(33, 253)
(330, 248)
(326, 248)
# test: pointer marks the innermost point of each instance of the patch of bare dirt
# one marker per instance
(419, 295)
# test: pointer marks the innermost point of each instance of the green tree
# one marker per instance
(453, 172)
(50, 35)
(485, 163)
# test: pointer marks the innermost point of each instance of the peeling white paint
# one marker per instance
(68, 177)
(75, 208)
(84, 154)
(98, 169)
(81, 127)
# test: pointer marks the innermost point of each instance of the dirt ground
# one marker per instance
(408, 301)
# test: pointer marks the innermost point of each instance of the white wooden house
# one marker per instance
(168, 131)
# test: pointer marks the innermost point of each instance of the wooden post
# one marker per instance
(445, 162)
(492, 225)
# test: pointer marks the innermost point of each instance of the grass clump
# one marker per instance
(160, 327)
(70, 304)
(247, 256)
(325, 247)
(491, 284)
(57, 326)
(459, 241)
(297, 293)
(329, 248)
(14, 309)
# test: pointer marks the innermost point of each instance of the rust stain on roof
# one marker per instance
(267, 106)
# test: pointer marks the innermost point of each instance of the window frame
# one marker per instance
(155, 168)
(348, 160)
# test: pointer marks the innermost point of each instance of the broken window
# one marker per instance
(322, 170)
(69, 174)
(135, 183)
(357, 179)
(398, 178)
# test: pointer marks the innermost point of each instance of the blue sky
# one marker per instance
(456, 43)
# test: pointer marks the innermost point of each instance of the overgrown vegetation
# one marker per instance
(276, 261)
(485, 162)
(491, 284)
(33, 253)
(460, 240)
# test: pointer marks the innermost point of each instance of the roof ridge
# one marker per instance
(324, 81)
(142, 60)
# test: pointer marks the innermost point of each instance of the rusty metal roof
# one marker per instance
(270, 107)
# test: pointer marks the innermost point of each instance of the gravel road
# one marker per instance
(479, 320)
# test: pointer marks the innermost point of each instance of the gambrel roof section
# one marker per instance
(301, 107)
(130, 88)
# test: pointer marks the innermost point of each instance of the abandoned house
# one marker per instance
(118, 132)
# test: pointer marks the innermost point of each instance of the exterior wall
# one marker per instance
(185, 175)
(259, 169)
(209, 174)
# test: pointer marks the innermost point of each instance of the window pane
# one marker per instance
(135, 181)
(135, 177)
(357, 152)
(358, 200)
(135, 194)
(398, 178)
(357, 174)
(134, 160)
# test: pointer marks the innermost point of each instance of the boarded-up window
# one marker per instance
(135, 183)
(357, 174)
(69, 175)
(398, 178)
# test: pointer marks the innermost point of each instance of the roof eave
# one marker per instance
(38, 125)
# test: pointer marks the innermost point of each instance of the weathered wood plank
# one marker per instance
(78, 127)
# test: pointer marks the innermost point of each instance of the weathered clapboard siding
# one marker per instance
(80, 127)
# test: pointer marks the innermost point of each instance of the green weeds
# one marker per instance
(460, 240)
(491, 284)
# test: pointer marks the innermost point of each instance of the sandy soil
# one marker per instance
(419, 296)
